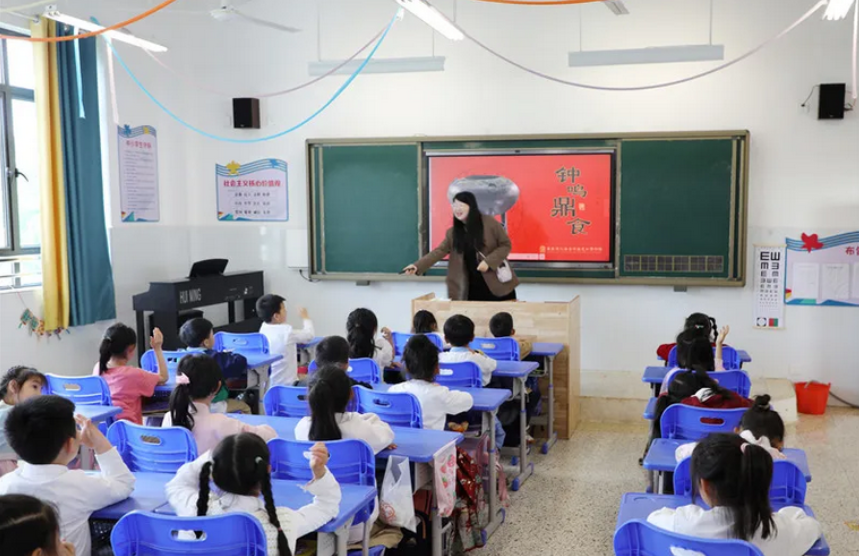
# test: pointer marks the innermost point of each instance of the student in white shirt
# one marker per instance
(30, 527)
(437, 401)
(361, 329)
(282, 338)
(46, 435)
(733, 477)
(19, 384)
(198, 381)
(459, 333)
(239, 468)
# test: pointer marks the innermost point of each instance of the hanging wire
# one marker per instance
(25, 6)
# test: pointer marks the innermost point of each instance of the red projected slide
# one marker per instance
(556, 207)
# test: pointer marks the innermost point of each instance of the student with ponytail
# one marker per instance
(695, 353)
(129, 384)
(361, 329)
(198, 381)
(30, 527)
(733, 477)
(240, 470)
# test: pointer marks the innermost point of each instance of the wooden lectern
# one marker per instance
(546, 322)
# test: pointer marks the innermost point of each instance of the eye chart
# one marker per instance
(769, 272)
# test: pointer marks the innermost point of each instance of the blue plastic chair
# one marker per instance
(152, 534)
(638, 538)
(241, 342)
(736, 381)
(399, 409)
(684, 422)
(500, 349)
(82, 390)
(788, 486)
(149, 362)
(465, 374)
(286, 401)
(730, 358)
(402, 338)
(362, 370)
(152, 449)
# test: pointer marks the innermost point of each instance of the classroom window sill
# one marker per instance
(20, 273)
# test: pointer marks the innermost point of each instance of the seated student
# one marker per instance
(198, 381)
(459, 333)
(239, 468)
(699, 322)
(128, 384)
(199, 336)
(501, 326)
(282, 338)
(437, 401)
(30, 527)
(733, 477)
(361, 329)
(19, 384)
(46, 435)
(694, 353)
(334, 351)
(424, 323)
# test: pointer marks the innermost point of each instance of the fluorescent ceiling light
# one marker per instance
(379, 65)
(837, 9)
(652, 55)
(616, 6)
(116, 35)
(432, 17)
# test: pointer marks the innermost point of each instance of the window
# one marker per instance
(20, 225)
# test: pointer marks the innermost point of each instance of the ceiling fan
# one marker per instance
(228, 12)
(616, 6)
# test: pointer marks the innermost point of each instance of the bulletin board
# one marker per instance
(823, 271)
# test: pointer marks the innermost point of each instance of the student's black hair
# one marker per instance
(703, 324)
(116, 340)
(424, 323)
(469, 233)
(762, 420)
(268, 306)
(196, 331)
(694, 352)
(26, 525)
(739, 475)
(501, 325)
(19, 375)
(683, 385)
(38, 428)
(332, 350)
(329, 394)
(421, 358)
(204, 376)
(459, 330)
(240, 466)
(361, 327)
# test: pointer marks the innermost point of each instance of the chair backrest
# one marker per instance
(351, 461)
(637, 538)
(736, 381)
(286, 401)
(399, 409)
(788, 486)
(244, 342)
(500, 349)
(152, 449)
(83, 390)
(686, 422)
(465, 374)
(730, 358)
(362, 370)
(402, 338)
(151, 534)
(148, 361)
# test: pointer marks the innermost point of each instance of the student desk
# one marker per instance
(639, 506)
(654, 376)
(519, 371)
(98, 413)
(147, 496)
(660, 458)
(548, 351)
(305, 351)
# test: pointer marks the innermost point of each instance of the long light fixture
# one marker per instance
(837, 9)
(617, 7)
(116, 35)
(379, 65)
(651, 55)
(432, 17)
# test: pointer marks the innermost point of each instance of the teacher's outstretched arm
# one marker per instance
(428, 260)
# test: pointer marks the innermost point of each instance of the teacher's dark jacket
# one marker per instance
(496, 247)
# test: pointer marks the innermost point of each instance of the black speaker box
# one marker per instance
(831, 105)
(246, 113)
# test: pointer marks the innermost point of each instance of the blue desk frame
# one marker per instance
(548, 351)
(519, 371)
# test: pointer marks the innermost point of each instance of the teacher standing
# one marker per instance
(478, 245)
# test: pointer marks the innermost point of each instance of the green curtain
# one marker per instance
(90, 275)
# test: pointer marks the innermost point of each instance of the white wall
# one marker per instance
(803, 172)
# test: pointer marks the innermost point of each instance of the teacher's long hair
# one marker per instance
(470, 233)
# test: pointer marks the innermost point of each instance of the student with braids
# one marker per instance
(699, 323)
(18, 385)
(198, 381)
(240, 470)
(361, 329)
(695, 353)
(129, 384)
(30, 527)
(733, 477)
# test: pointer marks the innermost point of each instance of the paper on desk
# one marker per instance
(836, 282)
(806, 281)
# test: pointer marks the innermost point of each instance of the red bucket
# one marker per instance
(811, 397)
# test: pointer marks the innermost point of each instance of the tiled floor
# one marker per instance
(569, 506)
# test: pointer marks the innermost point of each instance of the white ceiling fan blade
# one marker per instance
(265, 22)
(616, 6)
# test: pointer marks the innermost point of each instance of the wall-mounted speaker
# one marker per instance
(832, 98)
(246, 113)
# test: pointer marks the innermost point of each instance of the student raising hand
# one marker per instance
(318, 460)
(723, 333)
(90, 436)
(157, 339)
